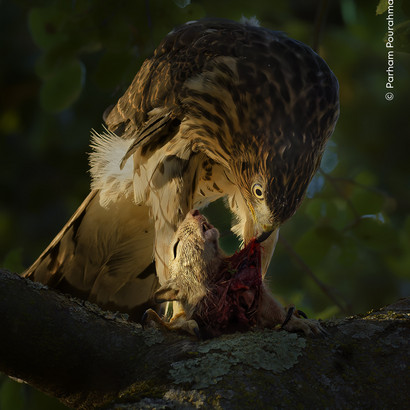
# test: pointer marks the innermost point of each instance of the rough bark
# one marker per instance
(88, 358)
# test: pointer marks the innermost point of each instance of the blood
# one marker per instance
(232, 301)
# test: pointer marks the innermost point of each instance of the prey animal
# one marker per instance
(219, 294)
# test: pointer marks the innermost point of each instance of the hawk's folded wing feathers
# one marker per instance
(158, 130)
(103, 254)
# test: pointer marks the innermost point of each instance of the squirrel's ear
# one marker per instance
(166, 293)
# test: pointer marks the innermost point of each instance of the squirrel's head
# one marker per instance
(194, 256)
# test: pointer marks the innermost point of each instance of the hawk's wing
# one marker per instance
(154, 101)
(103, 255)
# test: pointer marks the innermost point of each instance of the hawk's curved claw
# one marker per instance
(289, 315)
(144, 319)
(301, 313)
(296, 320)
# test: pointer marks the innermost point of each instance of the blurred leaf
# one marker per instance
(45, 26)
(400, 265)
(52, 61)
(402, 36)
(348, 252)
(366, 201)
(315, 186)
(329, 313)
(381, 7)
(10, 121)
(19, 396)
(113, 67)
(11, 397)
(330, 158)
(41, 401)
(116, 36)
(63, 88)
(330, 212)
(366, 178)
(376, 235)
(400, 262)
(314, 244)
(349, 11)
(182, 3)
(317, 209)
(13, 261)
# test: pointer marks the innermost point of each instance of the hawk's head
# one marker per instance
(270, 107)
(273, 178)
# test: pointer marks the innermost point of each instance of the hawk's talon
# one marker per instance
(144, 319)
(301, 313)
(289, 315)
(296, 320)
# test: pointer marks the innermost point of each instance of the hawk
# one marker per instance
(221, 109)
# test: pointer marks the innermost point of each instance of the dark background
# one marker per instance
(63, 62)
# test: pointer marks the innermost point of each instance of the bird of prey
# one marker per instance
(221, 109)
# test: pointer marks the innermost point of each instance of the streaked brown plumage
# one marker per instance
(221, 109)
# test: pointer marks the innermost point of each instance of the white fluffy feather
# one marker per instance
(105, 160)
(250, 21)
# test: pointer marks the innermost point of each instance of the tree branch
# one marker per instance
(88, 358)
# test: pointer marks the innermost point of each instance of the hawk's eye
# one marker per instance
(257, 191)
(175, 248)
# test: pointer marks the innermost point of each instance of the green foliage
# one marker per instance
(401, 30)
(10, 396)
(61, 89)
(348, 245)
(382, 7)
(117, 35)
(19, 396)
(402, 36)
(13, 261)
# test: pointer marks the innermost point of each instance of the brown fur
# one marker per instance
(195, 260)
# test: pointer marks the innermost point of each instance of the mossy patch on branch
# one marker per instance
(152, 336)
(264, 349)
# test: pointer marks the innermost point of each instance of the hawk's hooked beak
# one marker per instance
(263, 236)
(267, 229)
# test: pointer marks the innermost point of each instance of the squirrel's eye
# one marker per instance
(257, 191)
(175, 248)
